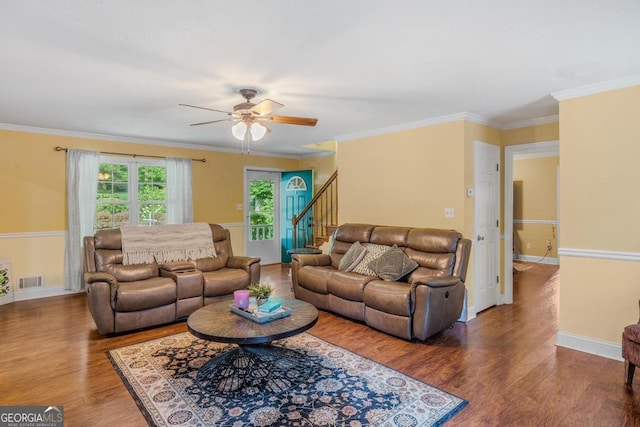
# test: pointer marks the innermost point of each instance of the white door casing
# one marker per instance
(546, 148)
(267, 249)
(486, 225)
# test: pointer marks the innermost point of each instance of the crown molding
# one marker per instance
(532, 122)
(143, 141)
(592, 89)
(470, 117)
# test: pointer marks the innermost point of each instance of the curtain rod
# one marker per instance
(58, 148)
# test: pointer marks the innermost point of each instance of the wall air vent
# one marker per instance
(31, 282)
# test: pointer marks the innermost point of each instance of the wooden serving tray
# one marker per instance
(252, 313)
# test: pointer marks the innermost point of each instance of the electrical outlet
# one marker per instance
(449, 212)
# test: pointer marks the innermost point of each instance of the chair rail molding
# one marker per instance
(599, 254)
(32, 234)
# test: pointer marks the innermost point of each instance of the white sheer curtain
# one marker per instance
(179, 195)
(82, 188)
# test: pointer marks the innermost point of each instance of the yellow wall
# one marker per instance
(33, 190)
(529, 134)
(404, 178)
(599, 210)
(408, 178)
(323, 167)
(535, 198)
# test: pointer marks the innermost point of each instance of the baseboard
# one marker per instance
(468, 313)
(533, 258)
(589, 345)
(24, 295)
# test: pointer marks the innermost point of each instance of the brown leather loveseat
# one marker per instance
(128, 297)
(424, 270)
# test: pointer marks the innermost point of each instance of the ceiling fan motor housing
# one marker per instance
(244, 107)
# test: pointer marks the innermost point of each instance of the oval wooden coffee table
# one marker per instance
(254, 366)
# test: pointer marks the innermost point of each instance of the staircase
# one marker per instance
(321, 215)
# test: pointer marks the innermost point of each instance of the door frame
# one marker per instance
(496, 230)
(552, 148)
(245, 209)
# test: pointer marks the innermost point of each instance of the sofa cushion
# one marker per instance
(389, 297)
(373, 252)
(224, 281)
(393, 264)
(145, 294)
(433, 240)
(390, 236)
(349, 286)
(353, 257)
(315, 278)
(432, 263)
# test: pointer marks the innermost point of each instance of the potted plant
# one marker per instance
(260, 292)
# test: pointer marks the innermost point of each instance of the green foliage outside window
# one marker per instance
(261, 207)
(114, 200)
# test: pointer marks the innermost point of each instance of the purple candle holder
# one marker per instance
(241, 299)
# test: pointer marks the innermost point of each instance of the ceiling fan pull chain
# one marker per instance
(247, 139)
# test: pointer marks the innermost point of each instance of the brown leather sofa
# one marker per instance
(128, 297)
(424, 302)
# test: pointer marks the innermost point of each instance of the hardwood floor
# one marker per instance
(504, 362)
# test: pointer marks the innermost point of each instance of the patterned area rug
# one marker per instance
(338, 388)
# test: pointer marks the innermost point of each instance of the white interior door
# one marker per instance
(486, 225)
(262, 215)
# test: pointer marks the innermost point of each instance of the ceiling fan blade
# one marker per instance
(204, 108)
(212, 121)
(266, 106)
(303, 121)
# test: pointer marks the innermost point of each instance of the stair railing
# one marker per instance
(320, 214)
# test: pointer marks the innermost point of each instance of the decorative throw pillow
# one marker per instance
(373, 251)
(393, 264)
(352, 257)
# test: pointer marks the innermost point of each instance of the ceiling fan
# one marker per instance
(251, 118)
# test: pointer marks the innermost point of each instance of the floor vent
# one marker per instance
(31, 282)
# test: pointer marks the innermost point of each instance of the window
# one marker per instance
(131, 192)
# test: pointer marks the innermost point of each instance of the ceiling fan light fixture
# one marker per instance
(257, 131)
(239, 130)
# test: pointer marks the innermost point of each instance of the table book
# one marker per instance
(252, 313)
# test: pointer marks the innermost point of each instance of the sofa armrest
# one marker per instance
(243, 262)
(100, 277)
(438, 282)
(312, 259)
(250, 264)
(178, 266)
(101, 291)
(438, 303)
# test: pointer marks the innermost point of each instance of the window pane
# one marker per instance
(261, 209)
(114, 202)
(151, 183)
(152, 214)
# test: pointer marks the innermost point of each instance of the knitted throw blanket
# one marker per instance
(166, 243)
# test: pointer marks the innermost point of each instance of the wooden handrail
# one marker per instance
(328, 207)
(296, 218)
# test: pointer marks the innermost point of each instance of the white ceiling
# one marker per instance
(120, 67)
